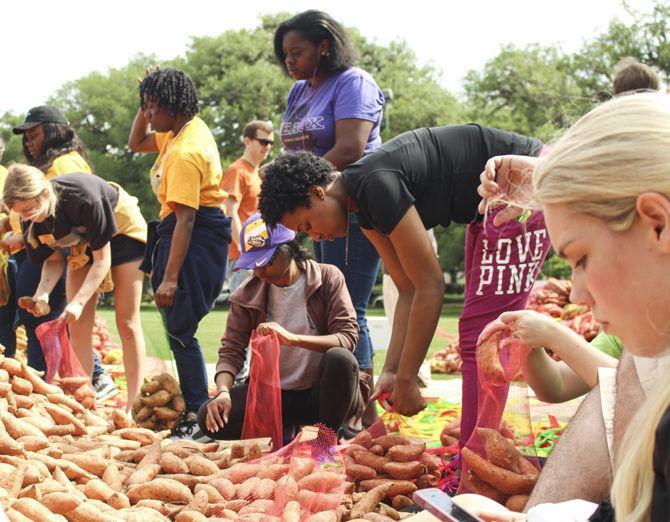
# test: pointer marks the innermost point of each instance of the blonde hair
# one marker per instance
(24, 183)
(599, 167)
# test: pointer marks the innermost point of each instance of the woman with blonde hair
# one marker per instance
(83, 210)
(605, 192)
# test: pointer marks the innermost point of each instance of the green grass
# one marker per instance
(213, 325)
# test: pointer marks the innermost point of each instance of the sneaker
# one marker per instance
(188, 429)
(104, 387)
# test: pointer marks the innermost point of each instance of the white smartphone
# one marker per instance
(438, 503)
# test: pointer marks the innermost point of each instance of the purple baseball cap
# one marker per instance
(258, 242)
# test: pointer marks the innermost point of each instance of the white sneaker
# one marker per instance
(104, 387)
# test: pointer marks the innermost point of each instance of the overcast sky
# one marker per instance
(48, 42)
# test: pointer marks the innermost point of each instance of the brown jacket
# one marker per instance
(328, 305)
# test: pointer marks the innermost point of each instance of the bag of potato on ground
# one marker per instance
(160, 404)
(496, 462)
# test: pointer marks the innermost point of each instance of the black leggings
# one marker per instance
(332, 400)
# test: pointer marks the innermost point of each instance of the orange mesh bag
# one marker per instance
(303, 479)
(263, 415)
(495, 461)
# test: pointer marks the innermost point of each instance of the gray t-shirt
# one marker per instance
(287, 306)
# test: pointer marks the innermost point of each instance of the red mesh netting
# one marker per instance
(263, 415)
(492, 465)
(300, 480)
(58, 353)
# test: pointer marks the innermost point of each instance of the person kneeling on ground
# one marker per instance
(306, 304)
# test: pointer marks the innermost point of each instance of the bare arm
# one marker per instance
(232, 207)
(142, 138)
(181, 239)
(351, 135)
(553, 381)
(52, 271)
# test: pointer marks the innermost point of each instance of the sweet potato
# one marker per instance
(406, 452)
(398, 487)
(365, 458)
(120, 419)
(257, 506)
(91, 463)
(15, 516)
(60, 416)
(160, 489)
(363, 438)
(244, 489)
(387, 511)
(499, 450)
(292, 512)
(213, 495)
(199, 503)
(316, 502)
(377, 449)
(430, 462)
(241, 471)
(32, 509)
(300, 467)
(236, 504)
(159, 398)
(287, 489)
(21, 386)
(483, 488)
(190, 516)
(427, 481)
(388, 441)
(170, 463)
(18, 427)
(324, 516)
(66, 400)
(166, 414)
(169, 383)
(376, 517)
(500, 478)
(143, 436)
(143, 474)
(273, 471)
(202, 466)
(400, 502)
(112, 477)
(150, 387)
(143, 413)
(517, 503)
(353, 448)
(369, 500)
(358, 472)
(488, 359)
(9, 446)
(60, 502)
(12, 366)
(264, 490)
(404, 470)
(321, 481)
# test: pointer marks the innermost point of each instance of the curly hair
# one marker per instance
(172, 89)
(287, 182)
(59, 139)
(315, 26)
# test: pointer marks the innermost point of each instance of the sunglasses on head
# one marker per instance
(265, 143)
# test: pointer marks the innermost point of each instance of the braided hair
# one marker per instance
(173, 89)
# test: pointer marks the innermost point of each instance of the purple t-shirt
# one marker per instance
(311, 113)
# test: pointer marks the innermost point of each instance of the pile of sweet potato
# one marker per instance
(447, 360)
(505, 475)
(391, 460)
(160, 404)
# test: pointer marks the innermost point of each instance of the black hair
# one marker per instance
(315, 26)
(59, 139)
(294, 251)
(287, 182)
(172, 89)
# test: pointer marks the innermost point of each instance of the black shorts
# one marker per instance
(125, 249)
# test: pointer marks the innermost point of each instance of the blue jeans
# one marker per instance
(360, 274)
(8, 315)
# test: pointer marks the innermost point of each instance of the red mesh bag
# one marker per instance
(298, 481)
(58, 353)
(495, 462)
(263, 416)
(62, 360)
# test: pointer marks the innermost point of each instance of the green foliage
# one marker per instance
(554, 266)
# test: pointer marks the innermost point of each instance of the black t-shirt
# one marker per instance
(84, 213)
(660, 498)
(436, 170)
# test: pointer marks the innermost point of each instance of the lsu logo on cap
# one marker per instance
(255, 235)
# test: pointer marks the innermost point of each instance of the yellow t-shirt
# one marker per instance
(67, 164)
(187, 170)
(3, 177)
